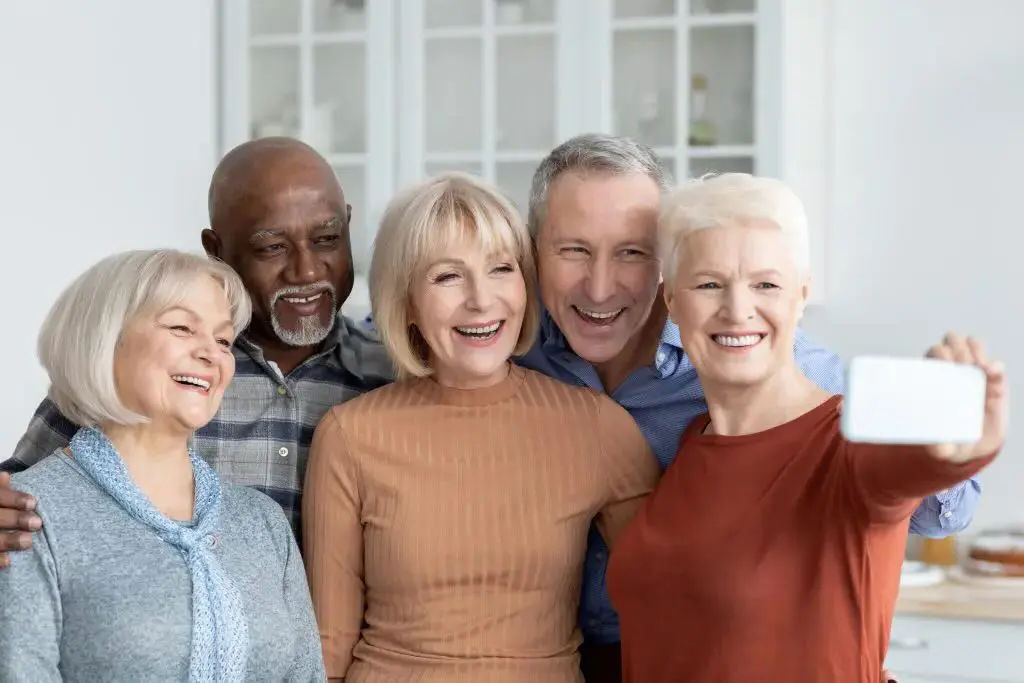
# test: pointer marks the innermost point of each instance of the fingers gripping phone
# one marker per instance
(913, 401)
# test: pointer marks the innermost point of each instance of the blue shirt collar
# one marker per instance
(553, 341)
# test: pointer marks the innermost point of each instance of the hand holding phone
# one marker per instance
(954, 400)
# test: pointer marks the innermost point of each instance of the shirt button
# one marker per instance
(947, 515)
(599, 555)
(660, 357)
(282, 451)
(282, 390)
(211, 541)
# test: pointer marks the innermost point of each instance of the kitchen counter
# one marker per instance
(955, 600)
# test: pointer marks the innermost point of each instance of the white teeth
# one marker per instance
(487, 329)
(745, 340)
(300, 300)
(599, 316)
(189, 379)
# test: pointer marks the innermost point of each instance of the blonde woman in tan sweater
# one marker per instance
(447, 514)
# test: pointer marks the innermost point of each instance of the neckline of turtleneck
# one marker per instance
(495, 393)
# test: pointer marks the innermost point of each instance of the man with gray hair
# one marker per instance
(594, 205)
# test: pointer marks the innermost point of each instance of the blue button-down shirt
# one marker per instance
(663, 399)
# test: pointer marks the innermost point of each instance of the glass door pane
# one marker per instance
(703, 165)
(337, 16)
(274, 18)
(453, 13)
(519, 12)
(437, 168)
(644, 85)
(722, 82)
(525, 90)
(453, 89)
(353, 184)
(698, 7)
(338, 119)
(627, 9)
(274, 91)
(513, 177)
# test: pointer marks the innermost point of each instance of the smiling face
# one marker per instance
(173, 366)
(468, 306)
(596, 259)
(282, 223)
(737, 296)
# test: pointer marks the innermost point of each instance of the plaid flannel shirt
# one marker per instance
(261, 435)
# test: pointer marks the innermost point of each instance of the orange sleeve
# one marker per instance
(629, 467)
(333, 543)
(890, 480)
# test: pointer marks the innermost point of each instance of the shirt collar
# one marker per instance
(552, 340)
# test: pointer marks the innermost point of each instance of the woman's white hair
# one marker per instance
(717, 200)
(80, 335)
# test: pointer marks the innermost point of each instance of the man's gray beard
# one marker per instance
(311, 330)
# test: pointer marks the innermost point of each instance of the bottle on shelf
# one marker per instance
(702, 131)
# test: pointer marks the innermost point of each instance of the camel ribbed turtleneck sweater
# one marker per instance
(445, 529)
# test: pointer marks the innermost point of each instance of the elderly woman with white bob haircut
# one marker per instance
(446, 515)
(771, 545)
(147, 566)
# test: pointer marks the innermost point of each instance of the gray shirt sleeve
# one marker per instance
(30, 616)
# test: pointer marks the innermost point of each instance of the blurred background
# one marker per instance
(900, 123)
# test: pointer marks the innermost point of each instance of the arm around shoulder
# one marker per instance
(333, 543)
(30, 616)
(628, 464)
(47, 431)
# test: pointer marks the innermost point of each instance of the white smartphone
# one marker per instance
(912, 401)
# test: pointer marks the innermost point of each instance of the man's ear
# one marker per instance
(211, 244)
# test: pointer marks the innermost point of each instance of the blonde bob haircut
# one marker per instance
(716, 200)
(81, 333)
(419, 225)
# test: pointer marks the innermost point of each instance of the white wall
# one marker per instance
(108, 121)
(926, 227)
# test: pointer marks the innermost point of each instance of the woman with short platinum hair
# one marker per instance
(772, 545)
(446, 515)
(148, 566)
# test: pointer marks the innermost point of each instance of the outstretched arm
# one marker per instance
(947, 512)
(891, 478)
